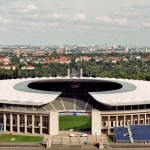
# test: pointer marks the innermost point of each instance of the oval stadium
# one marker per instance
(34, 105)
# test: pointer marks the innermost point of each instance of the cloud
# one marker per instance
(146, 24)
(28, 9)
(3, 29)
(109, 28)
(136, 13)
(118, 21)
(5, 21)
(85, 27)
(31, 7)
(53, 24)
(121, 22)
(52, 16)
(67, 17)
(57, 16)
(104, 19)
(78, 17)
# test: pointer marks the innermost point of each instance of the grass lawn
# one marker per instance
(109, 139)
(75, 122)
(19, 138)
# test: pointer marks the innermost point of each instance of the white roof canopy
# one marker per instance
(133, 92)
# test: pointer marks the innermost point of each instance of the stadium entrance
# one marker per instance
(75, 121)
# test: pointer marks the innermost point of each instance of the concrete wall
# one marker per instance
(53, 123)
(96, 122)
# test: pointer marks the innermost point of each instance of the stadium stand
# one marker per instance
(82, 102)
(57, 104)
(89, 107)
(140, 133)
(68, 102)
(80, 105)
(62, 103)
(121, 134)
(88, 99)
(48, 106)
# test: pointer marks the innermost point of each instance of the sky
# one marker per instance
(75, 22)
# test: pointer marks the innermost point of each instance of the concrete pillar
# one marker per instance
(81, 73)
(53, 123)
(96, 122)
(128, 122)
(116, 121)
(11, 123)
(144, 119)
(138, 121)
(131, 120)
(109, 124)
(33, 124)
(41, 124)
(124, 120)
(106, 123)
(25, 123)
(121, 123)
(102, 124)
(18, 123)
(68, 72)
(4, 122)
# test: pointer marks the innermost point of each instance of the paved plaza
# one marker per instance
(64, 139)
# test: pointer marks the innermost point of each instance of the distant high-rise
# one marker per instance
(126, 50)
(105, 46)
(18, 52)
(146, 50)
(114, 45)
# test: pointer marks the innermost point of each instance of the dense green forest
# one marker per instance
(130, 70)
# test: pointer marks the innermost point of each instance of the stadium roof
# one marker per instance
(133, 92)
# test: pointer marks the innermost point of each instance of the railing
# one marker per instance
(124, 111)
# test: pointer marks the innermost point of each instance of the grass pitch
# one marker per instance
(82, 123)
(19, 138)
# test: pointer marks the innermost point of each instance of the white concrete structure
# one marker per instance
(27, 110)
(81, 73)
(54, 123)
(68, 72)
(25, 122)
(96, 122)
(133, 92)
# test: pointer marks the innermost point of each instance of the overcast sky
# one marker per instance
(82, 22)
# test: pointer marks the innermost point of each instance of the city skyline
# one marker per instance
(82, 22)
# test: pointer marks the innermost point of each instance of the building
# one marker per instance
(33, 105)
(5, 60)
(27, 68)
(8, 67)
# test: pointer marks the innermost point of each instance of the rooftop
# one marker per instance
(132, 92)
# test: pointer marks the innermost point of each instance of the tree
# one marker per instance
(15, 60)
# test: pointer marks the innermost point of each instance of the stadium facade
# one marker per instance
(34, 105)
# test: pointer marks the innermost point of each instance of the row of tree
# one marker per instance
(131, 69)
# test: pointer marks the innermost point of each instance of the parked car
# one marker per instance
(73, 135)
(83, 135)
